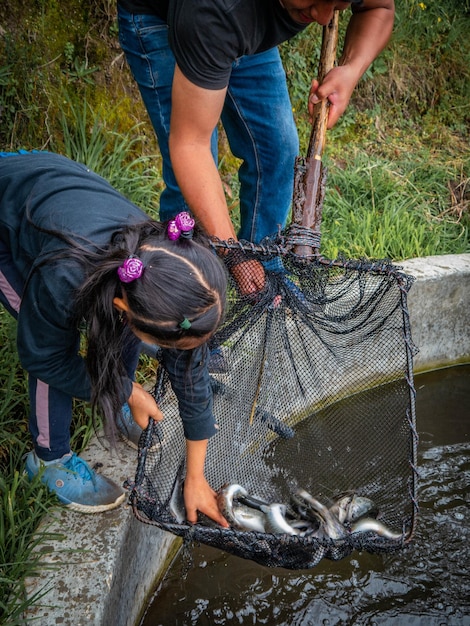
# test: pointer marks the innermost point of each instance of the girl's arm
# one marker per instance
(189, 377)
(198, 494)
(143, 406)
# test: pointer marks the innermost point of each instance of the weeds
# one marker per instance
(382, 209)
(22, 504)
(107, 152)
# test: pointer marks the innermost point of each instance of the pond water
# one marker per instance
(425, 584)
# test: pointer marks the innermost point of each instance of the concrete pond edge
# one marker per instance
(102, 569)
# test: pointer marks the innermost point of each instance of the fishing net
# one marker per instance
(317, 395)
(314, 399)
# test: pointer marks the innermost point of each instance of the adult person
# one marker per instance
(77, 259)
(198, 62)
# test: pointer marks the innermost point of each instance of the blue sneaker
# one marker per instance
(75, 483)
(130, 432)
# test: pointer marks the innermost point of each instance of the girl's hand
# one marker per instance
(143, 406)
(199, 496)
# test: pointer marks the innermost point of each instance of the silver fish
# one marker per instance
(252, 501)
(349, 507)
(276, 522)
(225, 500)
(234, 502)
(302, 510)
(306, 528)
(368, 524)
(330, 524)
(246, 518)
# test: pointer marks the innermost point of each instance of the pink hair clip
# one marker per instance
(182, 225)
(130, 270)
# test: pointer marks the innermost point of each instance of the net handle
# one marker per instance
(310, 215)
(320, 110)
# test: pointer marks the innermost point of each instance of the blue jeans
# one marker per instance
(257, 118)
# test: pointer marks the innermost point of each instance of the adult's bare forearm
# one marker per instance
(367, 35)
(200, 184)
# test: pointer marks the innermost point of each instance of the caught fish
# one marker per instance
(241, 510)
(275, 424)
(276, 522)
(306, 528)
(368, 524)
(227, 494)
(225, 501)
(331, 526)
(252, 501)
(302, 510)
(306, 516)
(349, 507)
(246, 518)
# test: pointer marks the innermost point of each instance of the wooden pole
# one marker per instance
(308, 202)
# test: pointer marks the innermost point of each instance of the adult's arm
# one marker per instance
(368, 32)
(195, 114)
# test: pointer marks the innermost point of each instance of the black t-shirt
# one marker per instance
(146, 7)
(207, 36)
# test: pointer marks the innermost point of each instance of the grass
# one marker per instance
(22, 504)
(384, 209)
(398, 181)
(107, 152)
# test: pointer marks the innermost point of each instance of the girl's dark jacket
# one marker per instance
(62, 195)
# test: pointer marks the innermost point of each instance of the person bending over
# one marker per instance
(198, 62)
(80, 261)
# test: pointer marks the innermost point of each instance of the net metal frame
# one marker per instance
(295, 370)
(303, 356)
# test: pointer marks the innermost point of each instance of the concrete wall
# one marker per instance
(439, 305)
(107, 565)
(104, 566)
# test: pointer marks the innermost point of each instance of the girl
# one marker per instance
(74, 251)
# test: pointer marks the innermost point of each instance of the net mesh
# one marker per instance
(317, 395)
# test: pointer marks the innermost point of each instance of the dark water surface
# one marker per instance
(425, 584)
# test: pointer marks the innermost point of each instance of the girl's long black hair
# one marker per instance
(181, 280)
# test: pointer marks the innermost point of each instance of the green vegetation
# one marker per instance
(398, 182)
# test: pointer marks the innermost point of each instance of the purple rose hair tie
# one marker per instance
(130, 270)
(181, 226)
